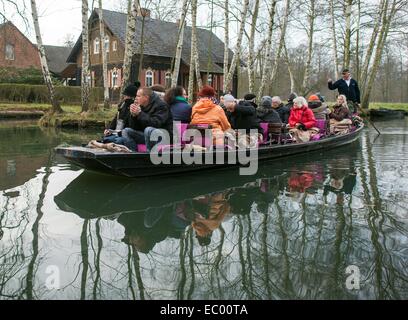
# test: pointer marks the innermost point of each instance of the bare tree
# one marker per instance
(334, 38)
(251, 58)
(235, 58)
(194, 50)
(347, 38)
(86, 74)
(106, 103)
(130, 35)
(55, 105)
(176, 69)
(265, 72)
(226, 45)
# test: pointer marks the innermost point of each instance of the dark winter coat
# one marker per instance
(351, 92)
(243, 117)
(123, 114)
(268, 114)
(340, 113)
(156, 114)
(283, 112)
(181, 110)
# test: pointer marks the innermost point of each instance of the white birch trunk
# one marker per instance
(179, 49)
(129, 45)
(347, 39)
(86, 74)
(238, 45)
(106, 103)
(268, 58)
(194, 50)
(55, 105)
(290, 71)
(251, 57)
(311, 18)
(334, 38)
(226, 45)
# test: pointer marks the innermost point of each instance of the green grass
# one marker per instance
(393, 106)
(34, 107)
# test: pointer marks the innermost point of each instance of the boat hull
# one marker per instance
(140, 165)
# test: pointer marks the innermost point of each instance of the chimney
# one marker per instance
(144, 12)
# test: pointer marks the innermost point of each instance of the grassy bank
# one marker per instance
(72, 116)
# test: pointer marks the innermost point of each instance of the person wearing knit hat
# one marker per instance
(121, 119)
(319, 109)
(229, 98)
(266, 113)
(251, 98)
(291, 97)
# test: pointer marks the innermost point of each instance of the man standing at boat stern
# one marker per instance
(348, 87)
(147, 114)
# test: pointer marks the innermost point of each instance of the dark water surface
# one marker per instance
(291, 231)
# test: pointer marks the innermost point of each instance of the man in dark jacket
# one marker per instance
(348, 87)
(291, 97)
(147, 114)
(283, 110)
(266, 113)
(251, 98)
(241, 115)
(121, 120)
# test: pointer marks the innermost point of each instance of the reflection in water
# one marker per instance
(288, 232)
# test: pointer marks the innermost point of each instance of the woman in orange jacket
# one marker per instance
(205, 111)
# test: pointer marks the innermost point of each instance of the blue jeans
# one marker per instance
(133, 137)
(113, 138)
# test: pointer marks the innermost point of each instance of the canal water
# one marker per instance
(330, 225)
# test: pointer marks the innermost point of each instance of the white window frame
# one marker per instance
(10, 52)
(114, 78)
(149, 77)
(210, 79)
(167, 77)
(114, 45)
(106, 43)
(97, 45)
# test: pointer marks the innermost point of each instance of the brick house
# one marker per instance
(17, 51)
(158, 54)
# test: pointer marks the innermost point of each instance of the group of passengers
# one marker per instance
(144, 110)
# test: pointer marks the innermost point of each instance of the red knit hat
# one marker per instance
(206, 91)
(313, 97)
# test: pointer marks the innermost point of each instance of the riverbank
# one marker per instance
(71, 118)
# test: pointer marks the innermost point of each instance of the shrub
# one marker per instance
(24, 93)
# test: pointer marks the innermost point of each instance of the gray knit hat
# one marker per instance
(266, 101)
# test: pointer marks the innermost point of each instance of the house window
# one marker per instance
(9, 52)
(168, 79)
(210, 79)
(114, 45)
(149, 78)
(96, 46)
(114, 83)
(106, 43)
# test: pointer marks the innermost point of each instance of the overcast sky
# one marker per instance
(59, 18)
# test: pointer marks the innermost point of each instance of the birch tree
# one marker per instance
(387, 17)
(129, 45)
(55, 105)
(177, 60)
(235, 58)
(251, 56)
(194, 50)
(226, 45)
(281, 40)
(268, 57)
(334, 39)
(347, 38)
(311, 26)
(86, 75)
(106, 103)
